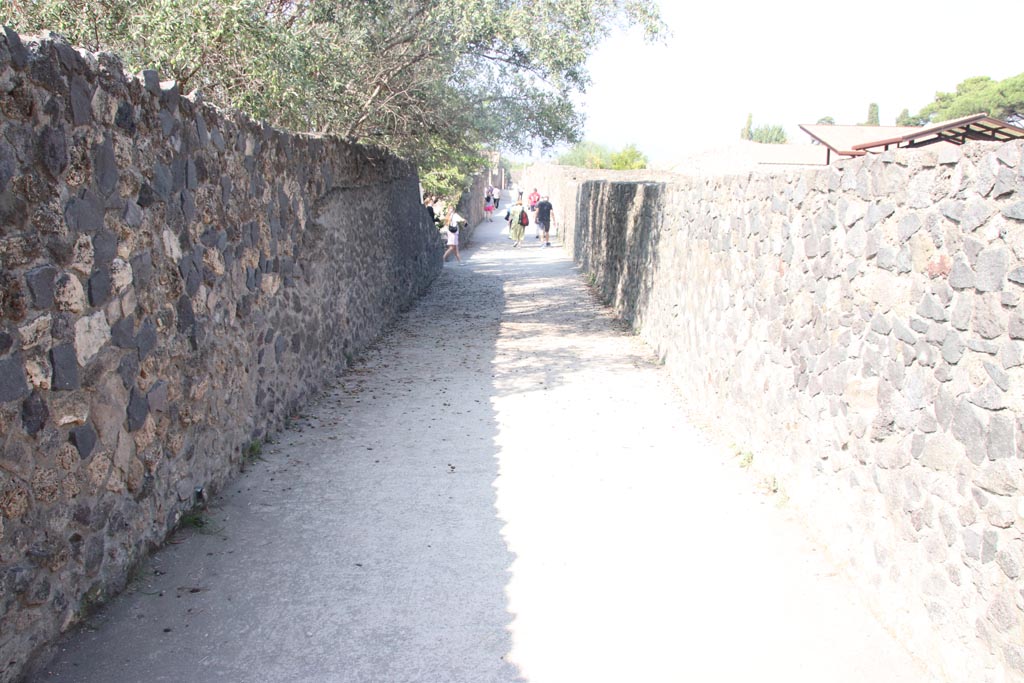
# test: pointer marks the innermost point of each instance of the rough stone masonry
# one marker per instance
(859, 330)
(173, 281)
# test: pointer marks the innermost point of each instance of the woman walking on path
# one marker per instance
(516, 229)
(452, 222)
(489, 207)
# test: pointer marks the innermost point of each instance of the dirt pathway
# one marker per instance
(502, 490)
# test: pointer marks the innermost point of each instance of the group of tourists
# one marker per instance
(518, 217)
(538, 211)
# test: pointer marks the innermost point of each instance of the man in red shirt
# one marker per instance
(534, 198)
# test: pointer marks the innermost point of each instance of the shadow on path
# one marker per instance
(502, 489)
(363, 544)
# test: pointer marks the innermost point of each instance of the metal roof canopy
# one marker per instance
(856, 141)
(845, 139)
(956, 131)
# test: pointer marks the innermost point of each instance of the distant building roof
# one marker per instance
(846, 140)
(956, 131)
(859, 140)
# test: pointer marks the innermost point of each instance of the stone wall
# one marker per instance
(856, 331)
(175, 281)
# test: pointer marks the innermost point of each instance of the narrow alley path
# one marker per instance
(502, 489)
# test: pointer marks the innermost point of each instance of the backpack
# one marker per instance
(523, 218)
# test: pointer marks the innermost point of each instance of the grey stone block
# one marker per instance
(83, 438)
(19, 55)
(988, 397)
(186, 316)
(146, 339)
(99, 287)
(128, 369)
(974, 216)
(989, 545)
(952, 348)
(157, 397)
(1000, 442)
(125, 117)
(886, 258)
(982, 346)
(13, 381)
(105, 171)
(990, 269)
(990, 320)
(880, 324)
(969, 429)
(1008, 564)
(161, 182)
(1015, 211)
(84, 213)
(931, 308)
(34, 413)
(972, 543)
(151, 79)
(1000, 477)
(998, 375)
(908, 225)
(122, 333)
(961, 275)
(64, 360)
(53, 150)
(8, 165)
(104, 246)
(1011, 355)
(138, 409)
(81, 101)
(40, 283)
(142, 270)
(1015, 327)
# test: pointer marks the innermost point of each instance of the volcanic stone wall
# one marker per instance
(174, 281)
(857, 332)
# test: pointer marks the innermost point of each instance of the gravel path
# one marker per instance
(503, 489)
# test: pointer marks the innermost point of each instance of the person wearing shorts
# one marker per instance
(545, 215)
(489, 207)
(452, 233)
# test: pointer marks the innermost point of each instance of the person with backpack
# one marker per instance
(518, 219)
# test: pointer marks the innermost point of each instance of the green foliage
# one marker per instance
(587, 154)
(747, 132)
(1001, 99)
(435, 81)
(826, 121)
(980, 94)
(905, 119)
(592, 155)
(629, 158)
(872, 115)
(765, 134)
(769, 135)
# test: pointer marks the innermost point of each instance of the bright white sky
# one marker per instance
(789, 62)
